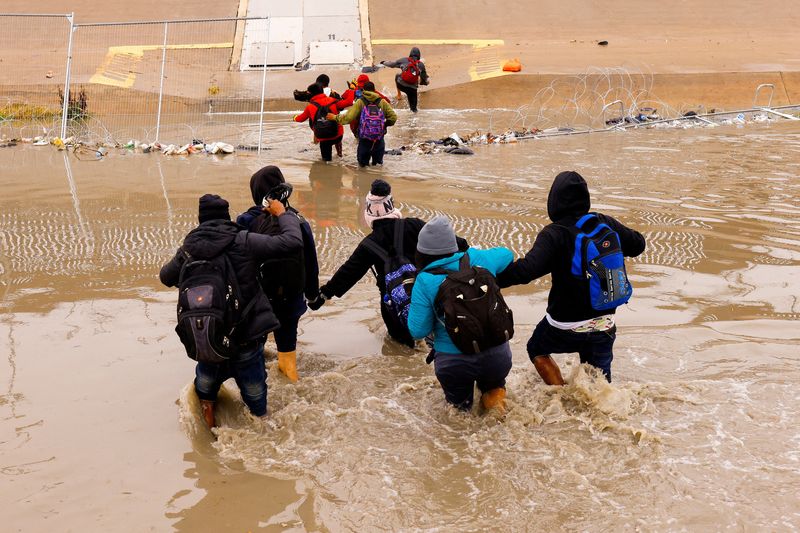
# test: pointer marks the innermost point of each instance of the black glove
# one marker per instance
(317, 302)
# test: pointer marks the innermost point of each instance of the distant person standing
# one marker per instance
(373, 115)
(327, 132)
(412, 75)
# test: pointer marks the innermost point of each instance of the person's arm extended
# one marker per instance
(352, 114)
(171, 270)
(536, 263)
(302, 117)
(349, 273)
(395, 64)
(266, 246)
(421, 314)
(498, 258)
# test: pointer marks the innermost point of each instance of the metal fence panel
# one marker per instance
(170, 82)
(33, 67)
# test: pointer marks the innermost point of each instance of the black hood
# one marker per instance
(210, 238)
(264, 180)
(569, 196)
(415, 53)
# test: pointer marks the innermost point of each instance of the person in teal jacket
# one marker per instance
(457, 372)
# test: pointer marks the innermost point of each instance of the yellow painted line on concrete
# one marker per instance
(475, 43)
(118, 68)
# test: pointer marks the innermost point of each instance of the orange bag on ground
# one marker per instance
(512, 65)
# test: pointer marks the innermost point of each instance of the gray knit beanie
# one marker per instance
(437, 237)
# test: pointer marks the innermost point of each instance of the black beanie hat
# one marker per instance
(213, 207)
(263, 181)
(314, 89)
(380, 188)
(323, 80)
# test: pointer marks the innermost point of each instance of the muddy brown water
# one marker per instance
(99, 430)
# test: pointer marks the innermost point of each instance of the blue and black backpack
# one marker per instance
(399, 277)
(599, 260)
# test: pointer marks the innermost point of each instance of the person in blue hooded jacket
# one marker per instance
(457, 372)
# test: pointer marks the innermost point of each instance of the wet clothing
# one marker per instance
(410, 89)
(369, 150)
(250, 374)
(459, 373)
(288, 308)
(423, 318)
(326, 147)
(411, 94)
(402, 63)
(353, 115)
(553, 250)
(348, 98)
(244, 249)
(311, 111)
(363, 259)
(593, 347)
(568, 299)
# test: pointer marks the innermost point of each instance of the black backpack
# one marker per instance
(210, 308)
(283, 275)
(476, 316)
(323, 128)
(399, 277)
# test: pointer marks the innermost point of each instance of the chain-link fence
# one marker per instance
(33, 71)
(166, 81)
(172, 82)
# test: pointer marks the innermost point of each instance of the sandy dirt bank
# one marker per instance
(692, 54)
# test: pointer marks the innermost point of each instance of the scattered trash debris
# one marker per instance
(602, 43)
(512, 65)
(99, 150)
(49, 74)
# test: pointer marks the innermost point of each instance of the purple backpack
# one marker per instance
(372, 123)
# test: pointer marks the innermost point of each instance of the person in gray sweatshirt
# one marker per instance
(412, 75)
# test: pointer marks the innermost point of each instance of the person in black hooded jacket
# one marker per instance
(286, 278)
(412, 75)
(380, 215)
(216, 234)
(570, 323)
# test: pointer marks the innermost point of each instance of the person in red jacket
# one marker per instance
(327, 132)
(354, 91)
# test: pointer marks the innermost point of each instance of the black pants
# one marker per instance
(593, 347)
(326, 148)
(370, 150)
(411, 93)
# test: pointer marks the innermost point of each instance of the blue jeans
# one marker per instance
(458, 373)
(250, 373)
(594, 347)
(370, 150)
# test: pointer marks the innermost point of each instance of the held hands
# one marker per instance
(275, 208)
(317, 302)
(330, 116)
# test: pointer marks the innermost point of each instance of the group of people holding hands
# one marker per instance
(433, 285)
